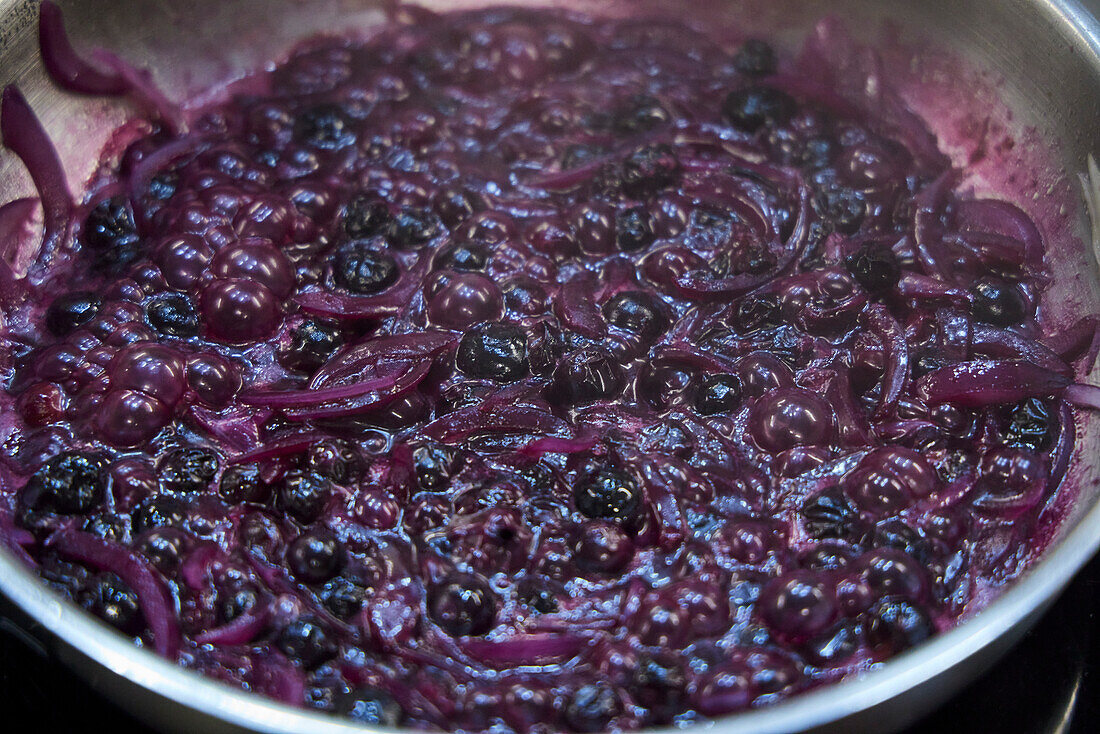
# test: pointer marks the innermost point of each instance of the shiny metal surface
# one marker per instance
(1048, 53)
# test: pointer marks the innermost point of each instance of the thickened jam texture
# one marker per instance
(526, 371)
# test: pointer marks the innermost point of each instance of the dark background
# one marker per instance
(1049, 684)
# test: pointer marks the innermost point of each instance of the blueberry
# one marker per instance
(244, 483)
(997, 302)
(163, 547)
(334, 458)
(665, 383)
(754, 107)
(360, 268)
(896, 534)
(159, 511)
(454, 206)
(163, 186)
(433, 465)
(608, 494)
(173, 314)
(233, 602)
(188, 469)
(576, 156)
(70, 311)
(603, 547)
(306, 642)
(829, 514)
(325, 126)
(538, 597)
(365, 217)
(494, 352)
(756, 313)
(632, 229)
(876, 268)
(71, 483)
(659, 685)
(304, 494)
(755, 58)
(464, 256)
(108, 527)
(110, 230)
(641, 113)
(312, 343)
(1030, 424)
(639, 312)
(370, 706)
(718, 394)
(463, 604)
(592, 707)
(343, 597)
(898, 625)
(316, 555)
(648, 170)
(842, 207)
(109, 598)
(413, 227)
(585, 376)
(817, 153)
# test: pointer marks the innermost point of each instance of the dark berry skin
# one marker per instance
(173, 314)
(364, 217)
(660, 686)
(463, 604)
(244, 483)
(897, 625)
(361, 269)
(304, 641)
(997, 302)
(752, 108)
(334, 458)
(593, 707)
(830, 515)
(109, 598)
(640, 114)
(433, 465)
(413, 227)
(648, 170)
(303, 495)
(755, 58)
(342, 597)
(632, 229)
(316, 555)
(325, 126)
(71, 310)
(312, 343)
(188, 469)
(110, 226)
(842, 207)
(876, 269)
(608, 494)
(639, 312)
(718, 394)
(370, 706)
(70, 483)
(465, 257)
(538, 597)
(494, 352)
(584, 376)
(1030, 424)
(161, 511)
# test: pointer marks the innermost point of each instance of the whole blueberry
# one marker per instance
(494, 352)
(71, 310)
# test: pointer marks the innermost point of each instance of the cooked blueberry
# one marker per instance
(494, 352)
(592, 707)
(754, 313)
(640, 114)
(163, 186)
(325, 126)
(833, 646)
(465, 256)
(109, 598)
(585, 376)
(163, 547)
(997, 302)
(413, 227)
(752, 108)
(71, 310)
(576, 156)
(666, 383)
(632, 229)
(876, 268)
(306, 642)
(829, 515)
(70, 483)
(463, 604)
(160, 511)
(898, 625)
(639, 312)
(343, 597)
(1030, 424)
(365, 217)
(755, 58)
(896, 534)
(231, 603)
(538, 596)
(842, 207)
(334, 458)
(110, 225)
(316, 555)
(188, 469)
(608, 494)
(817, 153)
(173, 314)
(244, 483)
(108, 527)
(312, 343)
(648, 170)
(659, 685)
(370, 706)
(718, 394)
(303, 494)
(362, 269)
(454, 206)
(433, 464)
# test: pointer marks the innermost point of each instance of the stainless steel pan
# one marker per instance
(1047, 53)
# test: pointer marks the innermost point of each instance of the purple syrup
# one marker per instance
(521, 369)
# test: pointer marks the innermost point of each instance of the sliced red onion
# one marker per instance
(240, 631)
(990, 216)
(896, 351)
(64, 65)
(288, 446)
(343, 307)
(989, 382)
(411, 376)
(576, 305)
(989, 341)
(524, 649)
(300, 398)
(152, 594)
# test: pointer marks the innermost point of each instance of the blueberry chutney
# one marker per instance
(527, 371)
